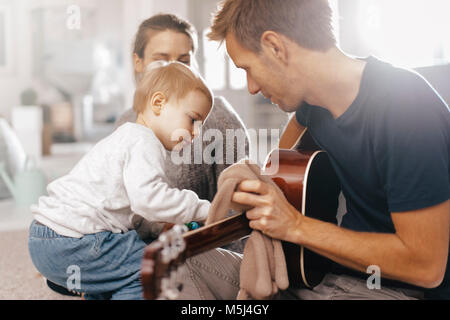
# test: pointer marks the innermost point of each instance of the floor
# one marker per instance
(20, 280)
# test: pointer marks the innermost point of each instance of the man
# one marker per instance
(387, 133)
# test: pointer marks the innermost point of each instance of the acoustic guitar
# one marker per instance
(309, 183)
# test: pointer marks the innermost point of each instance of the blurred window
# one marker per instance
(220, 71)
(409, 33)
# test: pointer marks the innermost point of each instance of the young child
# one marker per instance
(83, 235)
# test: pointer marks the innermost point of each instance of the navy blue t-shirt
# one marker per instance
(390, 149)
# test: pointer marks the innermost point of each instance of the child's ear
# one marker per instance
(157, 102)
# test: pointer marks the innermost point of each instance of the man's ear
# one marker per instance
(273, 44)
(138, 63)
(157, 101)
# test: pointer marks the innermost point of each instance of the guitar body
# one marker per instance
(310, 184)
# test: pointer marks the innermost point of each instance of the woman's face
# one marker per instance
(165, 45)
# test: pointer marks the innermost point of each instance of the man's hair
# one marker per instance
(174, 79)
(163, 22)
(307, 22)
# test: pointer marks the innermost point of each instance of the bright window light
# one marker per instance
(214, 57)
(238, 77)
(408, 33)
(220, 71)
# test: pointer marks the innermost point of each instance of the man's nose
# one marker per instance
(253, 87)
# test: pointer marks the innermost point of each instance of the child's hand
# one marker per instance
(167, 227)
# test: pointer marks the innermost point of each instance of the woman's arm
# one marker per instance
(226, 119)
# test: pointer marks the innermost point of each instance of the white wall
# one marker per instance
(133, 13)
(20, 76)
(13, 82)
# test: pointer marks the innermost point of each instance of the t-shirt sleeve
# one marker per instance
(415, 163)
(151, 196)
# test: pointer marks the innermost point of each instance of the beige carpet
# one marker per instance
(19, 278)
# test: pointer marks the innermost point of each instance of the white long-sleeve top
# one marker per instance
(119, 182)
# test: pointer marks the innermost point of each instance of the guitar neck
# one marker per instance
(216, 235)
(292, 134)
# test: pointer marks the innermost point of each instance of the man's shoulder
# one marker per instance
(399, 91)
(399, 80)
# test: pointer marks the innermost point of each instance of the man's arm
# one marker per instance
(416, 253)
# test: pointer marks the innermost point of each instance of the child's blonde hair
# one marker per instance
(174, 79)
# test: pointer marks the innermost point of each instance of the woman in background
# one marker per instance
(170, 38)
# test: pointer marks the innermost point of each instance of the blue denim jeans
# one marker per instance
(109, 266)
(104, 265)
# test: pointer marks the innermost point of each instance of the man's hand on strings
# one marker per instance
(272, 214)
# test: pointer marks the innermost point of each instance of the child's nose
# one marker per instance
(196, 130)
(195, 134)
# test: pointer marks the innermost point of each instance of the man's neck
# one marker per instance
(335, 81)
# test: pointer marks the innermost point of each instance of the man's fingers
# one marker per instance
(249, 193)
(252, 214)
(254, 224)
(255, 186)
(246, 198)
(257, 218)
(258, 224)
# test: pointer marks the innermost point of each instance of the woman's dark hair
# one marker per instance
(162, 22)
